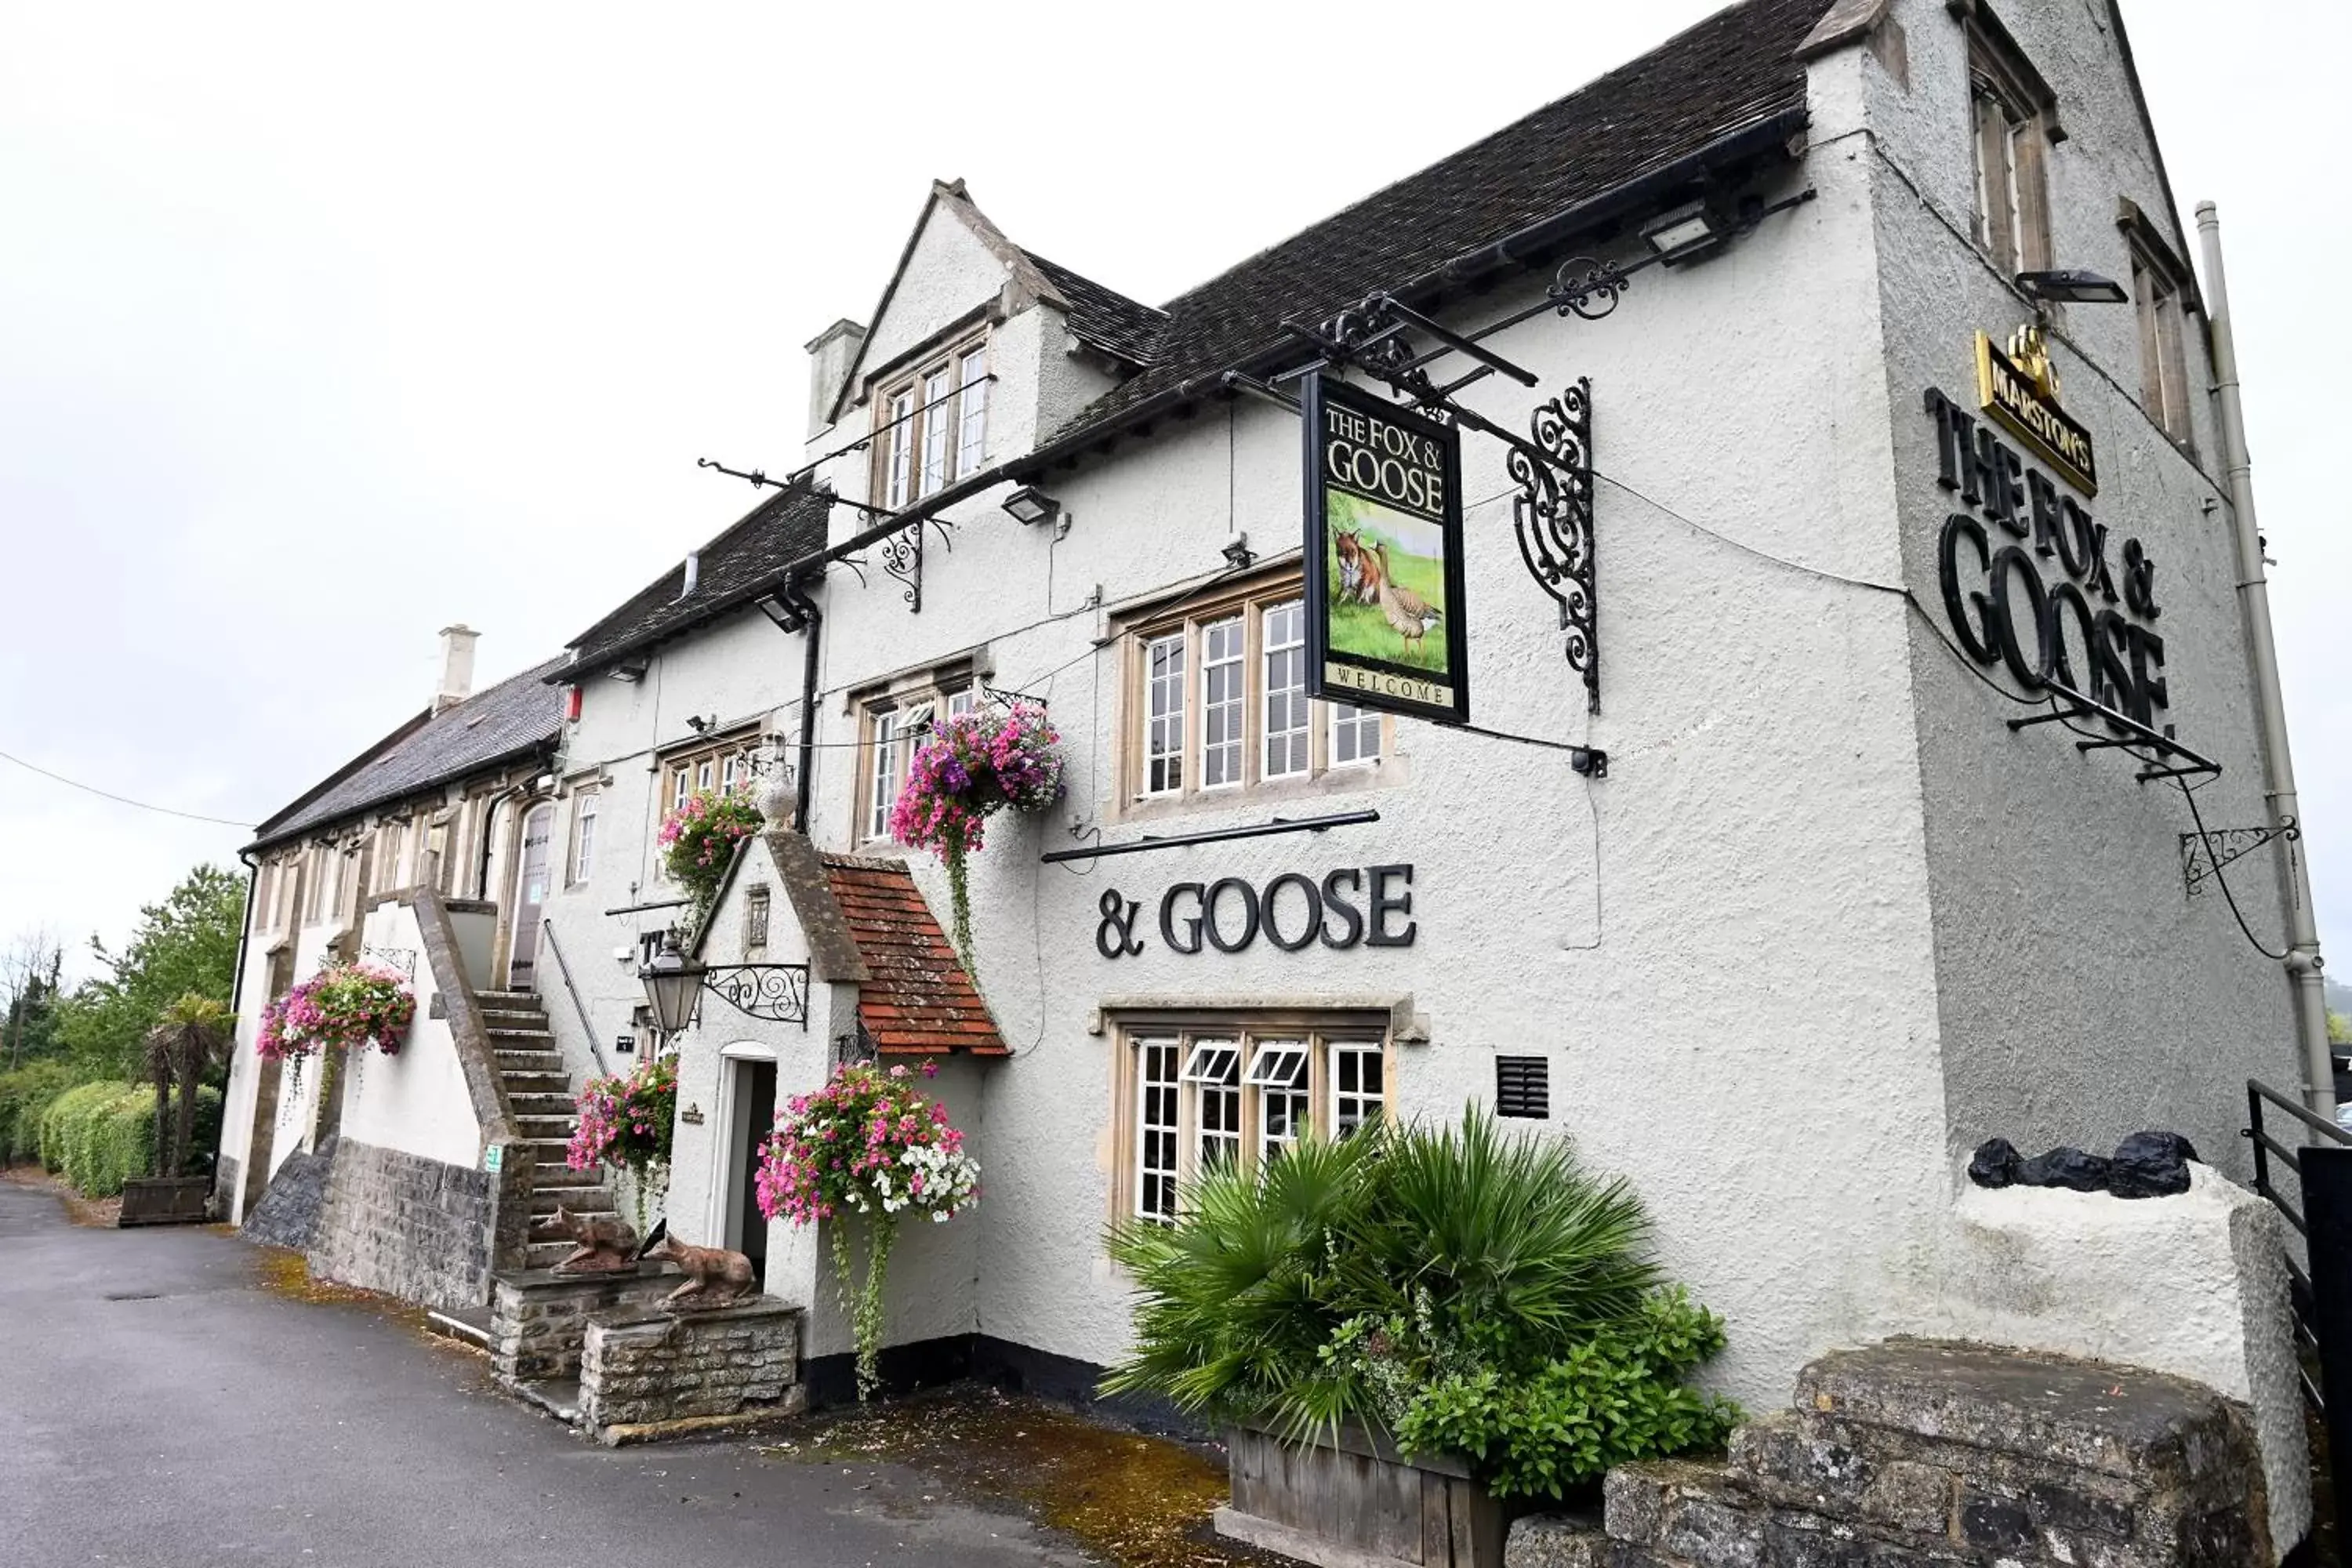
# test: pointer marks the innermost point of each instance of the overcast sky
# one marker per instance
(318, 333)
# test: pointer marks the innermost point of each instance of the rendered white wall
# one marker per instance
(416, 1100)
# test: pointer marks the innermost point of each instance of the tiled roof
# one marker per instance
(1127, 329)
(737, 567)
(917, 999)
(517, 716)
(1732, 70)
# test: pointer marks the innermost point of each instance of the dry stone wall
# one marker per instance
(648, 1368)
(414, 1227)
(1927, 1452)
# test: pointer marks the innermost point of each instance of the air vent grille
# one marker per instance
(1523, 1088)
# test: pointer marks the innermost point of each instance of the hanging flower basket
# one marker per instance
(626, 1121)
(973, 766)
(698, 840)
(346, 1005)
(869, 1144)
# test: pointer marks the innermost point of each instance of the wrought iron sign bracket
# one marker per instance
(775, 992)
(2202, 855)
(1552, 516)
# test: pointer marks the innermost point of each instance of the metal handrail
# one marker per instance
(580, 1008)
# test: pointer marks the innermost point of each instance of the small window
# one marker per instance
(755, 918)
(2163, 358)
(892, 730)
(2013, 133)
(932, 426)
(1523, 1088)
(720, 765)
(1156, 1128)
(1196, 1097)
(584, 837)
(1219, 702)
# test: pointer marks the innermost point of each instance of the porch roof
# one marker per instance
(916, 998)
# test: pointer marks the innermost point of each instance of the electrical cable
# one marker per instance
(123, 799)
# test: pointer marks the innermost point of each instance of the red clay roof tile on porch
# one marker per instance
(918, 1000)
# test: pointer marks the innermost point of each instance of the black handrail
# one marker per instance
(2319, 1292)
(579, 1009)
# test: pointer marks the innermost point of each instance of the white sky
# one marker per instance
(321, 329)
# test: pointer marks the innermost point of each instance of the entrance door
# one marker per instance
(530, 894)
(754, 1105)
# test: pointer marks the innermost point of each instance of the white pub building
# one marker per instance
(1850, 631)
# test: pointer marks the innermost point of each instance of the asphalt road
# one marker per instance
(159, 1409)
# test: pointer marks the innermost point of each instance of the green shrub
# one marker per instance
(1468, 1291)
(100, 1135)
(65, 1115)
(24, 1095)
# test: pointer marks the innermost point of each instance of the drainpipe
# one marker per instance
(236, 1001)
(2302, 960)
(804, 777)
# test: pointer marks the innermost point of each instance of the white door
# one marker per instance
(530, 894)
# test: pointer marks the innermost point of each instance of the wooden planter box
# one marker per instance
(165, 1200)
(1358, 1504)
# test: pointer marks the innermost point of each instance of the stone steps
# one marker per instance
(539, 1103)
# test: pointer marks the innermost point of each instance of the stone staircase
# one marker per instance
(539, 1090)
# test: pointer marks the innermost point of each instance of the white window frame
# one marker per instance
(582, 860)
(1175, 746)
(890, 726)
(1243, 1086)
(684, 771)
(931, 424)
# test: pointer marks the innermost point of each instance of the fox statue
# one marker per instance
(604, 1246)
(714, 1276)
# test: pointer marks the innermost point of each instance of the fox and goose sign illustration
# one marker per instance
(1384, 611)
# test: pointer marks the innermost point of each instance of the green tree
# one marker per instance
(2339, 1029)
(184, 945)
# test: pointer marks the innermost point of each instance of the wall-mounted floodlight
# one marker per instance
(2072, 286)
(1686, 234)
(1029, 505)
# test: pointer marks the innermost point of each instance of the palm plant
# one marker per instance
(1311, 1292)
(190, 1037)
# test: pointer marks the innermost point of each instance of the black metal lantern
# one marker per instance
(672, 984)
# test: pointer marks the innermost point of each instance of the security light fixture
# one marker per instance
(673, 984)
(1237, 552)
(628, 674)
(779, 609)
(1686, 234)
(700, 725)
(2072, 286)
(1030, 505)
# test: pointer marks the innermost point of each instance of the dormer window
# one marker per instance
(932, 425)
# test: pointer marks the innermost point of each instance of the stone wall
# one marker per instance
(646, 1367)
(539, 1318)
(287, 1214)
(417, 1228)
(1930, 1452)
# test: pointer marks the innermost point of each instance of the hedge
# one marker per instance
(25, 1094)
(98, 1135)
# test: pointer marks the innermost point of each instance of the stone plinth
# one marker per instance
(646, 1369)
(1945, 1455)
(538, 1317)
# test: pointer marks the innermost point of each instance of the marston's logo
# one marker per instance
(2020, 390)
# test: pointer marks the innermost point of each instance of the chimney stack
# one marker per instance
(831, 353)
(456, 666)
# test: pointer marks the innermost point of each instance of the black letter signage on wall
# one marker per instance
(1385, 616)
(1352, 906)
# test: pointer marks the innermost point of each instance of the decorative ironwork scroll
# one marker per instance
(1553, 517)
(776, 992)
(902, 557)
(2202, 855)
(1590, 289)
(401, 959)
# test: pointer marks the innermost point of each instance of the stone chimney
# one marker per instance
(831, 353)
(456, 666)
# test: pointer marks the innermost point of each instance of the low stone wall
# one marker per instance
(539, 1318)
(1945, 1454)
(287, 1212)
(651, 1369)
(417, 1228)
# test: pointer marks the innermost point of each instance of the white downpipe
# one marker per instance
(2302, 960)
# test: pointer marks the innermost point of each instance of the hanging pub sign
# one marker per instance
(1385, 612)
